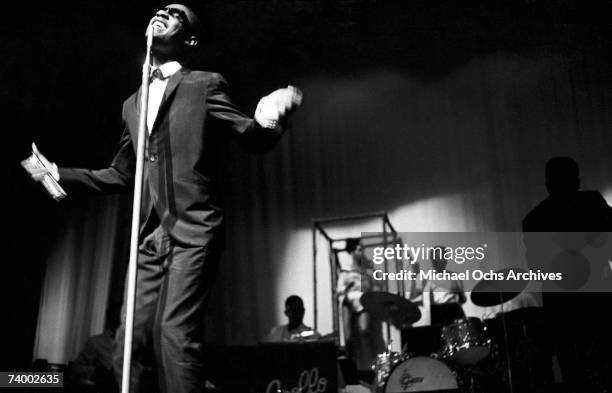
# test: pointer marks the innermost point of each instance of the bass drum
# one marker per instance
(420, 374)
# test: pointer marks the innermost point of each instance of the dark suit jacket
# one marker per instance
(580, 312)
(581, 211)
(185, 156)
(585, 215)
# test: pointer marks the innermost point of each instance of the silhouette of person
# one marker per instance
(294, 330)
(567, 209)
(576, 320)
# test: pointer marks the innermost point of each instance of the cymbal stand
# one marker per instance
(389, 307)
(505, 328)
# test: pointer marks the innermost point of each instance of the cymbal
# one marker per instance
(525, 314)
(489, 293)
(388, 306)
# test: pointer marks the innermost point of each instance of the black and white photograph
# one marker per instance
(307, 196)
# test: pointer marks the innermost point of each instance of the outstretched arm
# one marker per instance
(260, 134)
(118, 177)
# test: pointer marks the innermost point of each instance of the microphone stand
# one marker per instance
(132, 266)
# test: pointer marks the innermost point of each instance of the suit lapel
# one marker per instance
(173, 83)
(133, 113)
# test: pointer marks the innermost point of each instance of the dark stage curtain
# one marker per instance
(77, 286)
(462, 151)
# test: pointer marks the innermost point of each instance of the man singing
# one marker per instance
(190, 119)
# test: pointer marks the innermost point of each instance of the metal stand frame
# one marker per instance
(389, 235)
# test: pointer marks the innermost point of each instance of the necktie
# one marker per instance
(157, 74)
(155, 96)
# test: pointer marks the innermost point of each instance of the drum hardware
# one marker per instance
(462, 376)
(395, 310)
(401, 372)
(465, 341)
(383, 365)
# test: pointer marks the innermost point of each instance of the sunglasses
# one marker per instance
(175, 13)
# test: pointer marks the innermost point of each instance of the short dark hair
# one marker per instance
(294, 300)
(562, 167)
(352, 243)
(562, 175)
(195, 25)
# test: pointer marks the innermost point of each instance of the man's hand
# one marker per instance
(41, 167)
(273, 108)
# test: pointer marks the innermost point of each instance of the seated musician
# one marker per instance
(294, 330)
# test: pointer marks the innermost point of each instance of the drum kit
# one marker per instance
(465, 343)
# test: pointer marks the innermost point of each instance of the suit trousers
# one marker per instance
(173, 285)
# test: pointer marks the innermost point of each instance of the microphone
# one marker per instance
(51, 185)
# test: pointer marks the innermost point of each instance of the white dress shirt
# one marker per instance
(157, 88)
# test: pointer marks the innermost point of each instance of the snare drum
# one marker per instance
(382, 366)
(465, 341)
(420, 374)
